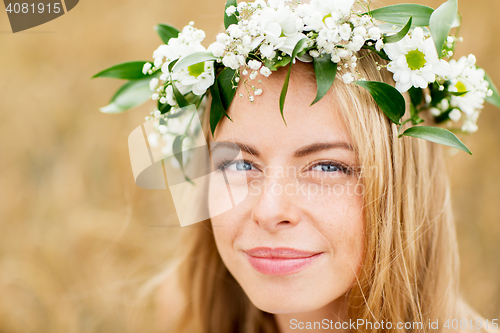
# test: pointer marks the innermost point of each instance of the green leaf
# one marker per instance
(440, 23)
(192, 59)
(495, 98)
(179, 98)
(166, 32)
(217, 110)
(380, 53)
(127, 71)
(388, 98)
(284, 90)
(456, 93)
(400, 35)
(130, 95)
(399, 14)
(164, 108)
(437, 135)
(172, 64)
(415, 119)
(226, 90)
(325, 71)
(228, 20)
(416, 95)
(275, 63)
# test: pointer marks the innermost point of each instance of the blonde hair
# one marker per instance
(410, 269)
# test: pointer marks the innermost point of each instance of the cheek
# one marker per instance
(340, 219)
(225, 229)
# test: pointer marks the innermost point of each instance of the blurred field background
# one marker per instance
(78, 237)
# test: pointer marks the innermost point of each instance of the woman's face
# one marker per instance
(295, 243)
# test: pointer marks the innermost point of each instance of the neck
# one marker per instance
(318, 320)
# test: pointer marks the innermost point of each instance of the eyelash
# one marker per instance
(340, 166)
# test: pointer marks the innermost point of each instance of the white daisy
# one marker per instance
(465, 77)
(415, 61)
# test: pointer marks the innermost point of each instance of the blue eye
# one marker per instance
(235, 166)
(326, 167)
(331, 167)
(241, 166)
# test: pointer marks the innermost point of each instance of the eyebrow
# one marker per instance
(303, 151)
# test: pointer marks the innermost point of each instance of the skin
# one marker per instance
(276, 213)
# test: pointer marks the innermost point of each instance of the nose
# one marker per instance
(276, 207)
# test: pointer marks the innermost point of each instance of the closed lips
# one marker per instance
(280, 261)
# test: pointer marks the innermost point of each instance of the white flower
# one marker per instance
(359, 31)
(198, 76)
(265, 71)
(435, 111)
(469, 126)
(199, 35)
(356, 44)
(379, 45)
(258, 92)
(217, 49)
(153, 139)
(374, 33)
(162, 129)
(466, 78)
(254, 65)
(314, 53)
(153, 84)
(455, 114)
(234, 31)
(230, 10)
(241, 6)
(281, 28)
(415, 61)
(169, 94)
(223, 38)
(345, 31)
(147, 66)
(231, 61)
(348, 78)
(325, 13)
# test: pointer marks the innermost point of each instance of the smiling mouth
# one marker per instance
(280, 261)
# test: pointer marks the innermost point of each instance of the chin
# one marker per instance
(291, 294)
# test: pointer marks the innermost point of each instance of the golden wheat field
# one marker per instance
(78, 238)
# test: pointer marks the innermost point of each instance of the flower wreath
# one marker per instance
(261, 37)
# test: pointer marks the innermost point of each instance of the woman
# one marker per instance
(346, 221)
(370, 238)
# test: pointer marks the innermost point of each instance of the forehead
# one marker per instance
(260, 123)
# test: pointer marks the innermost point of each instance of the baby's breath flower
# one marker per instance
(455, 114)
(435, 111)
(265, 71)
(162, 129)
(348, 78)
(230, 10)
(254, 65)
(146, 68)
